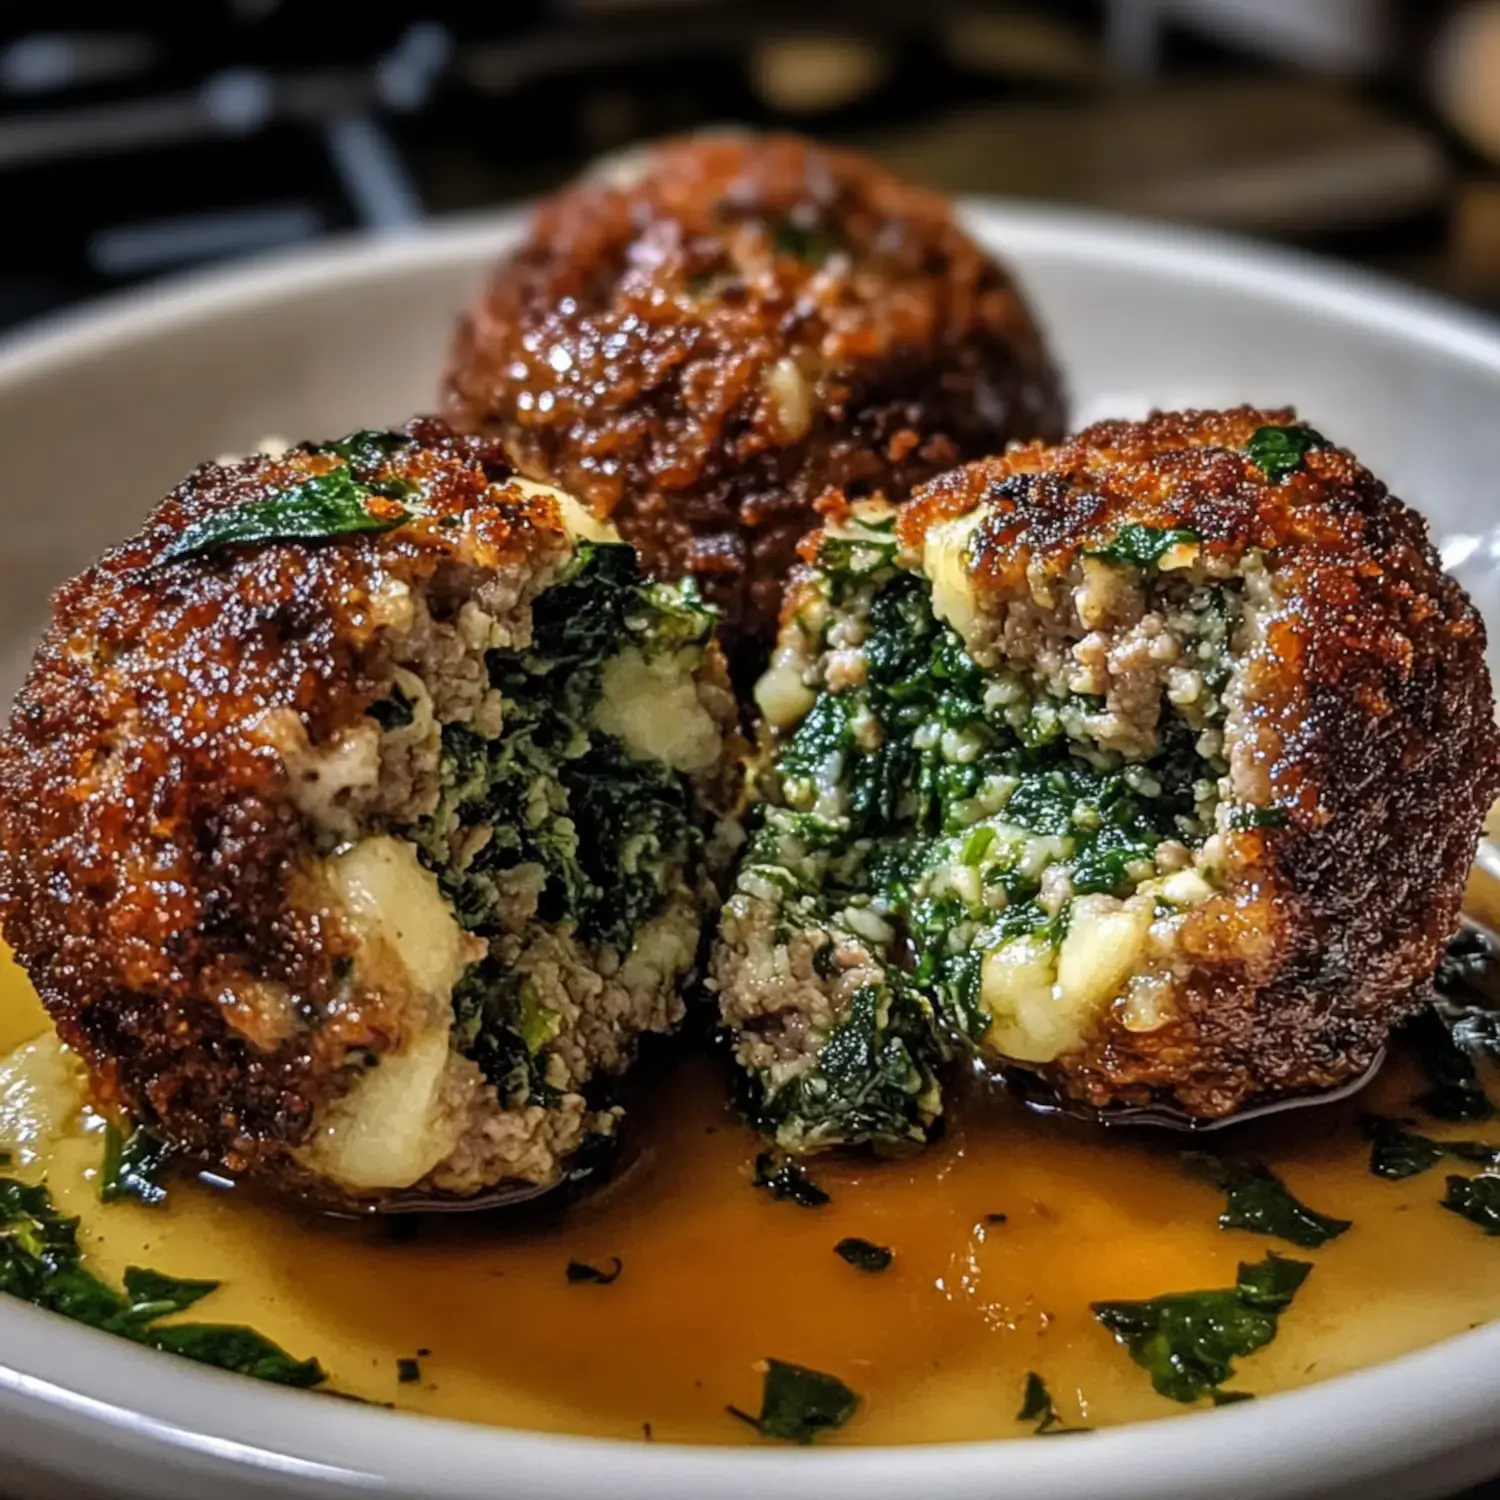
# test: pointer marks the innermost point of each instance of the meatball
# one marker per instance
(1152, 764)
(352, 817)
(698, 348)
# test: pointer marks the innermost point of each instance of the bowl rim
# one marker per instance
(68, 1382)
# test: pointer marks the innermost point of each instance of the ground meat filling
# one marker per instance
(969, 843)
(561, 823)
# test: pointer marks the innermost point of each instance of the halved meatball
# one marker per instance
(700, 346)
(1153, 762)
(352, 817)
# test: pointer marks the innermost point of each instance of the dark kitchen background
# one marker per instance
(137, 140)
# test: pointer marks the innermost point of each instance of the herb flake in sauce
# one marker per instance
(133, 1166)
(41, 1263)
(1260, 1203)
(787, 1180)
(1396, 1152)
(1036, 1406)
(863, 1255)
(1187, 1341)
(1477, 1199)
(797, 1403)
(581, 1272)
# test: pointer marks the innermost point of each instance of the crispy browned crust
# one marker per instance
(622, 352)
(1368, 716)
(148, 847)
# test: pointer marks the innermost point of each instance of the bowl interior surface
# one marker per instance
(101, 413)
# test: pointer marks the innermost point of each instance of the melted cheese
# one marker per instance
(945, 561)
(652, 705)
(581, 524)
(393, 899)
(397, 1122)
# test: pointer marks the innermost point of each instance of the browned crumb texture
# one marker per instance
(149, 850)
(1367, 715)
(701, 350)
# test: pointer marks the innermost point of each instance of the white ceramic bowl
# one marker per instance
(101, 413)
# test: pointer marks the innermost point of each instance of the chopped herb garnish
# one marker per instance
(1477, 1199)
(581, 1271)
(797, 1404)
(787, 1180)
(863, 1255)
(366, 447)
(997, 1218)
(1279, 451)
(1187, 1341)
(1260, 1202)
(1037, 1407)
(408, 1371)
(40, 1263)
(133, 1166)
(318, 509)
(1229, 1398)
(1396, 1152)
(1143, 546)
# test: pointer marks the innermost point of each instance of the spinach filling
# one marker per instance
(555, 821)
(919, 809)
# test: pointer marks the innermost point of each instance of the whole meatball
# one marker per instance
(1153, 763)
(333, 834)
(702, 346)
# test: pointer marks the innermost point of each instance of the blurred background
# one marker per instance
(136, 140)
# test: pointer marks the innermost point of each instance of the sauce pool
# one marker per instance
(1003, 1234)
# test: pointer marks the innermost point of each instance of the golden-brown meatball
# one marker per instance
(331, 832)
(1153, 762)
(700, 348)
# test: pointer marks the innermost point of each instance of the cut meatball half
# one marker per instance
(700, 345)
(1153, 763)
(353, 817)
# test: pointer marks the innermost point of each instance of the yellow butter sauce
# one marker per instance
(717, 1276)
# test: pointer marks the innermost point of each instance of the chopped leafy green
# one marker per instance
(1260, 1202)
(133, 1166)
(863, 1255)
(1143, 546)
(581, 1271)
(41, 1263)
(319, 509)
(1187, 1341)
(1396, 1152)
(1279, 451)
(1457, 1092)
(366, 447)
(1037, 1407)
(797, 1403)
(241, 1351)
(1477, 1199)
(874, 1079)
(787, 1180)
(408, 1371)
